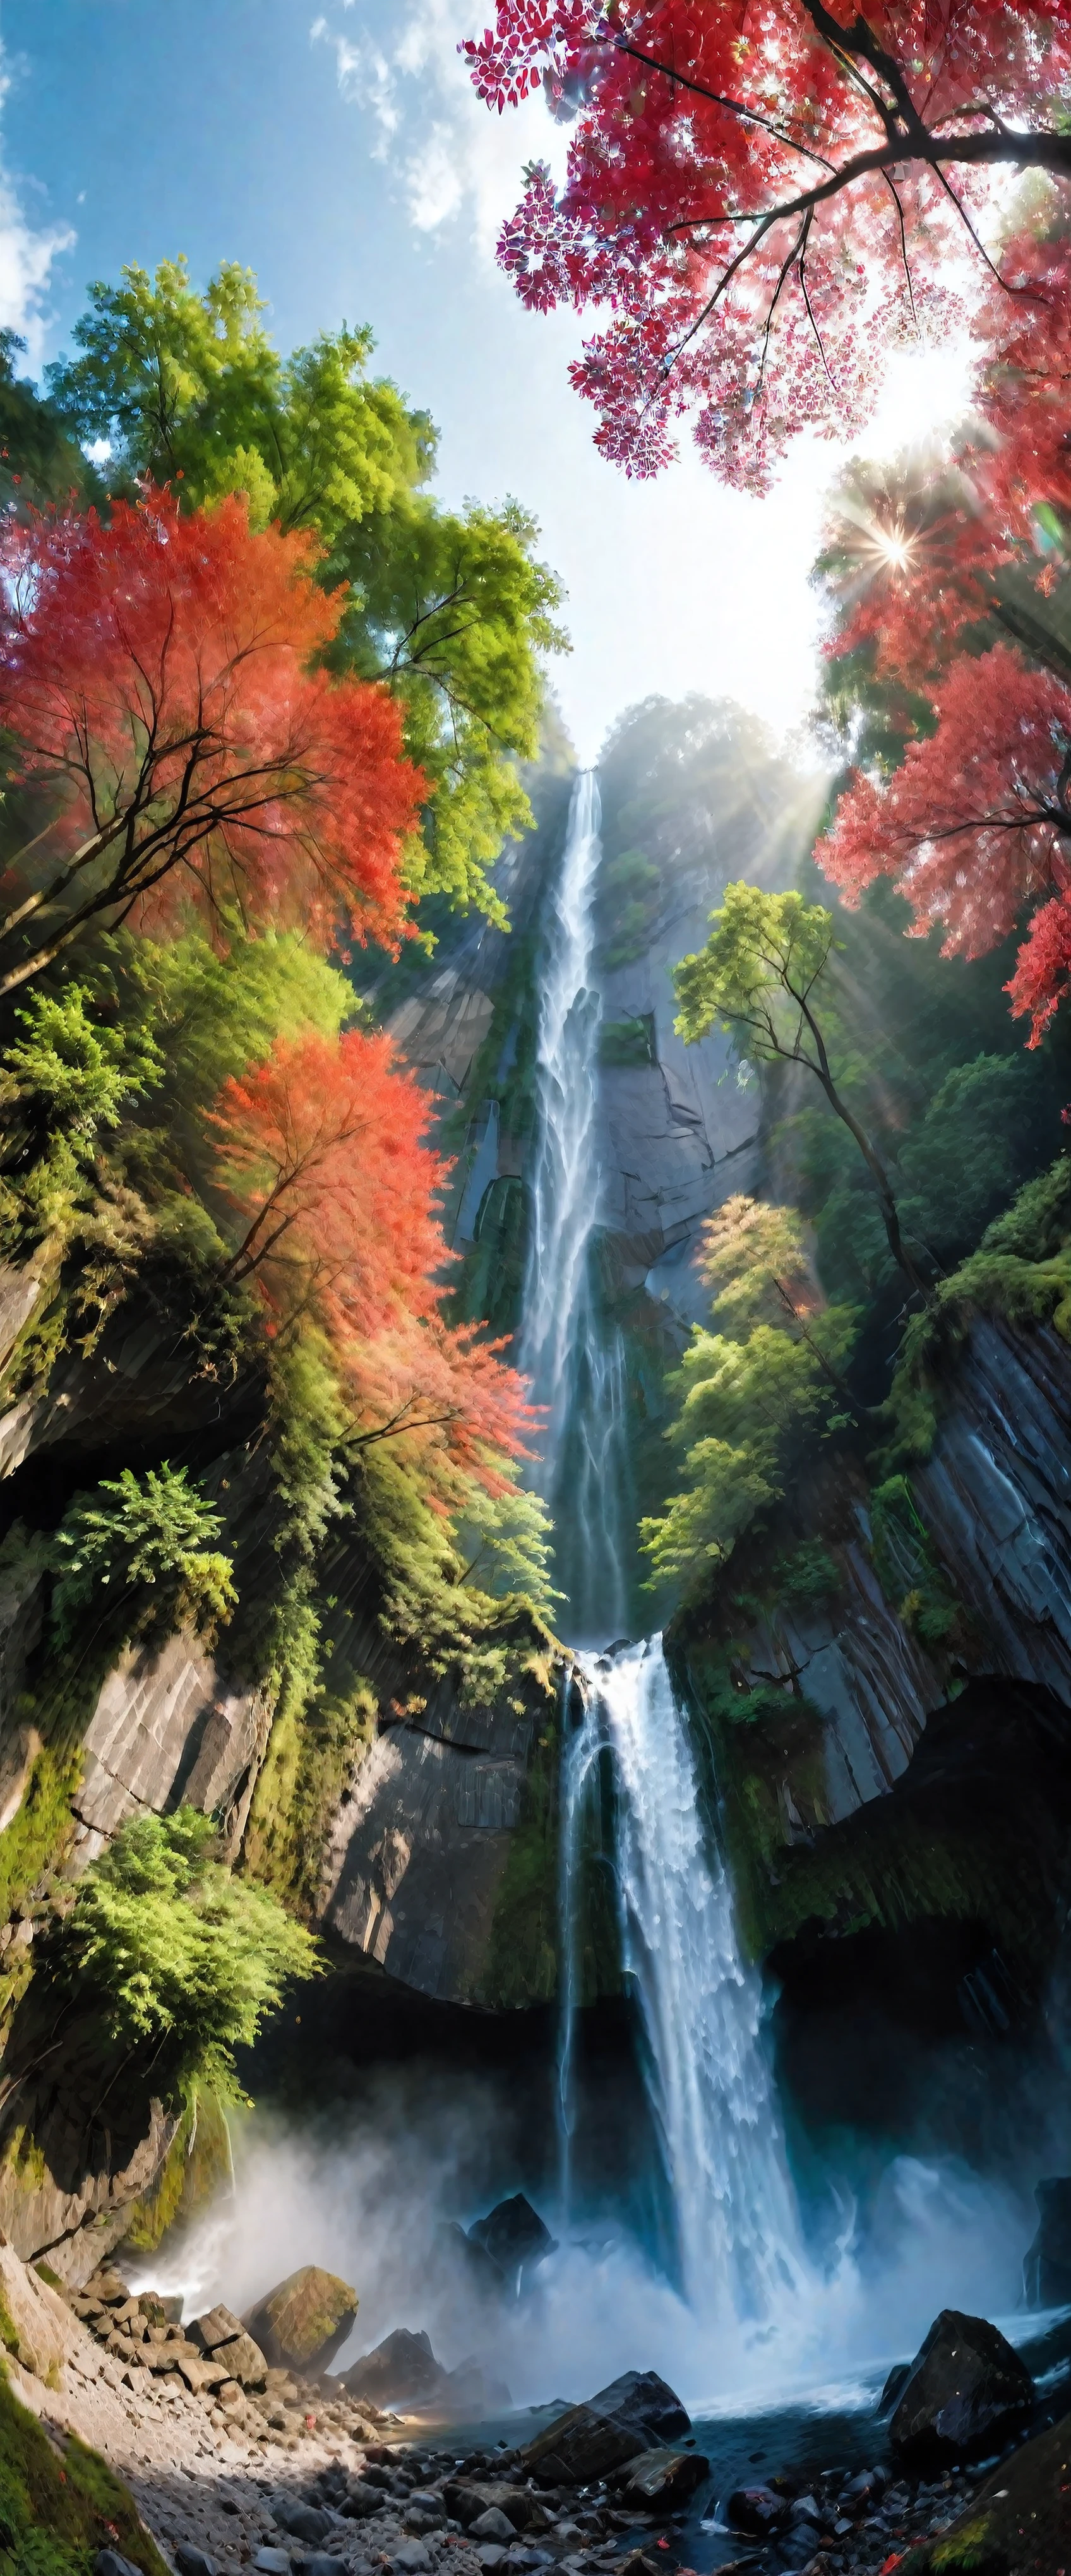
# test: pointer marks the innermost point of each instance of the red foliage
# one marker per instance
(768, 198)
(324, 1153)
(975, 822)
(156, 672)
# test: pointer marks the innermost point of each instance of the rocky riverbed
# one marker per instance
(234, 2461)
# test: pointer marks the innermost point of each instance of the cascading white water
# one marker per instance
(710, 2090)
(737, 2222)
(575, 1375)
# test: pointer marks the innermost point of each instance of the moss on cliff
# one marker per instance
(522, 1951)
(196, 2169)
(57, 2511)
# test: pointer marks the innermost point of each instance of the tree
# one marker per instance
(755, 978)
(450, 610)
(154, 678)
(179, 1960)
(751, 1393)
(148, 1546)
(975, 825)
(768, 203)
(322, 1155)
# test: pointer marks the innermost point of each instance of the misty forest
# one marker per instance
(535, 1335)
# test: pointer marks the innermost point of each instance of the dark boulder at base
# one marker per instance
(304, 2321)
(638, 2412)
(758, 2510)
(403, 2372)
(513, 2235)
(966, 2393)
(464, 2256)
(1047, 2264)
(402, 2369)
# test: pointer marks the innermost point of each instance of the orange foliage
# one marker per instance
(324, 1155)
(156, 673)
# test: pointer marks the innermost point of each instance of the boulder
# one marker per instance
(491, 2525)
(513, 2235)
(219, 2326)
(401, 2371)
(636, 2413)
(468, 2501)
(758, 2510)
(662, 2478)
(469, 2259)
(303, 2323)
(966, 2393)
(244, 2361)
(306, 2522)
(1047, 2264)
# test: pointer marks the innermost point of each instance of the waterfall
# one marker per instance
(710, 2088)
(576, 1375)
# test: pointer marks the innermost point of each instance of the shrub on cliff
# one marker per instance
(146, 1545)
(179, 1960)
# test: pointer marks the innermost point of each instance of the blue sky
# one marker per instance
(334, 147)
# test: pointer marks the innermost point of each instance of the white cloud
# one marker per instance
(403, 68)
(27, 253)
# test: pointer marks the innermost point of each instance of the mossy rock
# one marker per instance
(56, 2513)
(304, 2321)
(197, 2168)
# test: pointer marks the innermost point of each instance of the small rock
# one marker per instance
(272, 2562)
(411, 2557)
(109, 2563)
(492, 2556)
(492, 2525)
(321, 2563)
(305, 2522)
(192, 2562)
(758, 2510)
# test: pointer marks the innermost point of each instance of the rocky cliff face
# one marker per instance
(995, 1494)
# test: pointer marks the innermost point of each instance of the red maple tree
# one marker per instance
(155, 675)
(323, 1153)
(767, 199)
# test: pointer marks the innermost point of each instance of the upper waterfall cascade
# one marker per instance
(576, 1369)
(711, 2093)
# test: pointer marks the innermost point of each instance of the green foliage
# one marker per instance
(806, 1573)
(906, 1567)
(181, 1960)
(450, 608)
(751, 1398)
(1021, 1272)
(59, 2507)
(627, 1041)
(507, 1543)
(754, 978)
(39, 460)
(75, 1073)
(963, 1159)
(628, 897)
(150, 1541)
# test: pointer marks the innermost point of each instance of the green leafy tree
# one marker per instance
(450, 609)
(76, 1073)
(752, 1396)
(180, 1960)
(756, 979)
(147, 1546)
